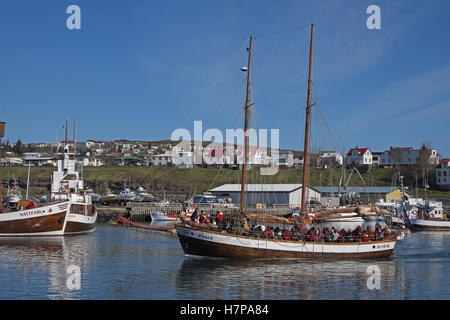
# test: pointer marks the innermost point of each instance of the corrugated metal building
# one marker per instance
(373, 192)
(271, 194)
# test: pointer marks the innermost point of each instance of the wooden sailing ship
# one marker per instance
(238, 241)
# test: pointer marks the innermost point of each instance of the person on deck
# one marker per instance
(219, 218)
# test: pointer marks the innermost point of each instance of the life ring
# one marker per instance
(431, 215)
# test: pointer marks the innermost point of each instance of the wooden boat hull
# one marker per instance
(50, 220)
(42, 221)
(195, 241)
(431, 225)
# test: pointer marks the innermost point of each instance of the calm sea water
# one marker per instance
(118, 263)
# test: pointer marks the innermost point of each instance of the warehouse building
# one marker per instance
(267, 194)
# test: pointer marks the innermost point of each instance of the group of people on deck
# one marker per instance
(320, 234)
(204, 218)
(294, 232)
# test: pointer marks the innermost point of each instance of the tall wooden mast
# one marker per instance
(2, 134)
(307, 122)
(74, 143)
(246, 125)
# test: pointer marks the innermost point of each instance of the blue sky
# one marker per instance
(140, 69)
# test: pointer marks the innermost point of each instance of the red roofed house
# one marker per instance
(443, 174)
(359, 156)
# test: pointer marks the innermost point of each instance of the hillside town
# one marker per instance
(95, 153)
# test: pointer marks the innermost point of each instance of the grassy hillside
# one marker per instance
(172, 180)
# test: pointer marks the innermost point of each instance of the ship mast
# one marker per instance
(246, 126)
(307, 122)
(74, 143)
(2, 134)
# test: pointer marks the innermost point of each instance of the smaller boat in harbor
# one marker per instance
(142, 195)
(206, 197)
(108, 196)
(68, 208)
(432, 219)
(126, 195)
(162, 216)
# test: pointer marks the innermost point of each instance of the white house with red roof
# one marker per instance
(359, 156)
(443, 174)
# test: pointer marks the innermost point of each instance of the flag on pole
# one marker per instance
(405, 218)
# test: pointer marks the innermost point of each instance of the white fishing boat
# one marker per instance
(162, 216)
(68, 211)
(432, 219)
(142, 195)
(126, 195)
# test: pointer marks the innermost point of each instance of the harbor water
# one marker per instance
(120, 263)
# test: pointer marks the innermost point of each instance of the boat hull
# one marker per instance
(214, 244)
(163, 217)
(50, 220)
(45, 221)
(78, 224)
(431, 225)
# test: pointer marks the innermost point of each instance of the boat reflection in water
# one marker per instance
(418, 271)
(43, 262)
(286, 279)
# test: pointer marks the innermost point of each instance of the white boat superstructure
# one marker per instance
(13, 196)
(142, 195)
(126, 195)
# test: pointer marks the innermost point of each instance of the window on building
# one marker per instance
(439, 173)
(445, 173)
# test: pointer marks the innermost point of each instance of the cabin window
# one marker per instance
(90, 210)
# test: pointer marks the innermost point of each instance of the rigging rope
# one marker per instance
(217, 80)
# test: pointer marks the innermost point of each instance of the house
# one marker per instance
(216, 157)
(163, 159)
(285, 158)
(443, 174)
(359, 156)
(331, 160)
(91, 161)
(11, 161)
(94, 144)
(376, 159)
(183, 159)
(298, 161)
(128, 159)
(269, 194)
(39, 159)
(404, 157)
(255, 155)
